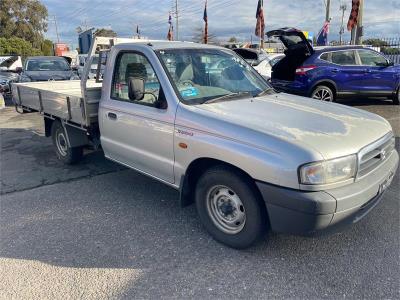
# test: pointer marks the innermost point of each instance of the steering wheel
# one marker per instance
(186, 82)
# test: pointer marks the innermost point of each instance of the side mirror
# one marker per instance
(18, 70)
(390, 63)
(135, 88)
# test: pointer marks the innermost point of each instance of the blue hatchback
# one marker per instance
(327, 73)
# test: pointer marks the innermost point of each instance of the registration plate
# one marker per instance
(383, 186)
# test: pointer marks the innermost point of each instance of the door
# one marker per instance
(138, 133)
(380, 77)
(345, 71)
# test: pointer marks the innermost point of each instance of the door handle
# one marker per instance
(112, 116)
(368, 71)
(335, 70)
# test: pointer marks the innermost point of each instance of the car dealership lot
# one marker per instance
(99, 230)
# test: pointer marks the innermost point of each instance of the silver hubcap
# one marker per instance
(226, 209)
(61, 143)
(322, 94)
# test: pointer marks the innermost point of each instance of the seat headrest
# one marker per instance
(135, 70)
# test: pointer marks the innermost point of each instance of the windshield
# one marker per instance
(201, 75)
(47, 65)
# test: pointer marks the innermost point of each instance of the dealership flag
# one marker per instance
(260, 26)
(170, 35)
(322, 38)
(353, 15)
(205, 19)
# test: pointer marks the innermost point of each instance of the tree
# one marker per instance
(198, 36)
(105, 32)
(17, 46)
(375, 42)
(232, 40)
(47, 47)
(24, 19)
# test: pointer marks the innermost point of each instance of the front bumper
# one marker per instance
(301, 212)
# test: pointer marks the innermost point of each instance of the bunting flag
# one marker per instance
(170, 35)
(322, 38)
(353, 15)
(260, 25)
(205, 18)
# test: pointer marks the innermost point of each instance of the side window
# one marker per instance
(135, 65)
(326, 57)
(370, 58)
(344, 58)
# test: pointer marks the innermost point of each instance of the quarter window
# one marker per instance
(344, 58)
(370, 58)
(135, 65)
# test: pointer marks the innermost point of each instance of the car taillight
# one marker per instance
(304, 69)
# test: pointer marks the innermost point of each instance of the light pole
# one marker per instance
(343, 8)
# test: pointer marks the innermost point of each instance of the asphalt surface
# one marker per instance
(98, 230)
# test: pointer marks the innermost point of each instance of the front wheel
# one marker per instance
(229, 207)
(323, 93)
(67, 154)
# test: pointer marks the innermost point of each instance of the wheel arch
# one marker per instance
(195, 169)
(329, 83)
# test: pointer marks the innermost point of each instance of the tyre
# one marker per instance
(323, 93)
(396, 97)
(68, 155)
(230, 208)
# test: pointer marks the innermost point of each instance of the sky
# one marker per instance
(226, 18)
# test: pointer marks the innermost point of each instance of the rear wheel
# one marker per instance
(396, 97)
(229, 207)
(323, 93)
(69, 155)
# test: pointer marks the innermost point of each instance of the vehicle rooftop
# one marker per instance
(44, 57)
(335, 48)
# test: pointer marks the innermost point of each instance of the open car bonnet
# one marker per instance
(291, 38)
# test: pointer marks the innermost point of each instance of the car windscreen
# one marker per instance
(200, 75)
(47, 65)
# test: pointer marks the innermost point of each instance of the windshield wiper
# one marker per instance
(227, 96)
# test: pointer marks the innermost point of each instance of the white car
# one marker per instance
(265, 66)
(260, 60)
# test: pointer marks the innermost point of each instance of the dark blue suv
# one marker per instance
(327, 73)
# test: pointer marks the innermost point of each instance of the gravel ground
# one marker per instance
(98, 230)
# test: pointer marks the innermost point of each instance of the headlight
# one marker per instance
(25, 78)
(74, 77)
(329, 171)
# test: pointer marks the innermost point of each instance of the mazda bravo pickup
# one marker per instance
(201, 120)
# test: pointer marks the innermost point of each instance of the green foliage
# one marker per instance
(47, 48)
(105, 32)
(390, 51)
(17, 46)
(24, 19)
(232, 40)
(375, 42)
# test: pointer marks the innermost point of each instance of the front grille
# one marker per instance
(372, 156)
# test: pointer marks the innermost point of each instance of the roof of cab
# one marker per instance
(164, 45)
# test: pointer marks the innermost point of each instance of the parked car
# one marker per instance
(82, 58)
(261, 61)
(328, 73)
(45, 68)
(6, 79)
(249, 157)
(10, 63)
